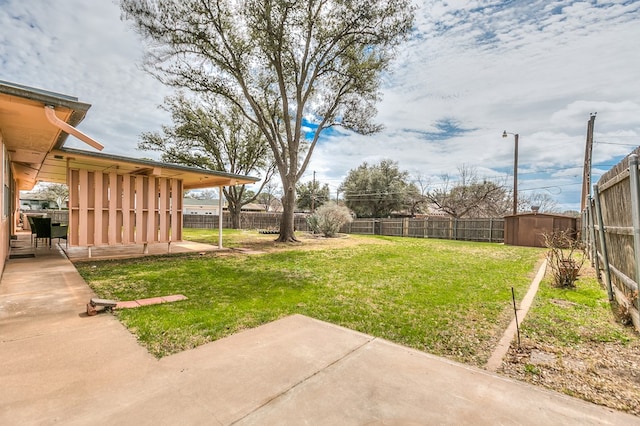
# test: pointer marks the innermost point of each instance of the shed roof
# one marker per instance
(526, 214)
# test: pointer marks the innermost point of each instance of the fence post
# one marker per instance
(603, 242)
(592, 236)
(490, 229)
(635, 214)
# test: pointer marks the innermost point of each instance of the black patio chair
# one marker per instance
(46, 230)
(32, 227)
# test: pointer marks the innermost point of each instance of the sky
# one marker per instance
(471, 70)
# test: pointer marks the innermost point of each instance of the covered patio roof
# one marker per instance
(27, 132)
(36, 145)
(58, 160)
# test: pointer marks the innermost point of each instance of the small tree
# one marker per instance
(329, 218)
(270, 196)
(378, 190)
(55, 192)
(312, 195)
(565, 257)
(211, 133)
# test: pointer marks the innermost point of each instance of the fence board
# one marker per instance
(489, 229)
(614, 196)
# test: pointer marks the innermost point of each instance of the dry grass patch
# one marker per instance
(571, 343)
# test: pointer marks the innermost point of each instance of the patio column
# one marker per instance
(220, 195)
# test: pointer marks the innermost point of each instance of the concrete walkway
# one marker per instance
(59, 366)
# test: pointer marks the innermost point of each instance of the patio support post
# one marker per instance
(603, 242)
(221, 193)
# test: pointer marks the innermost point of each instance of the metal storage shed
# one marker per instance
(527, 229)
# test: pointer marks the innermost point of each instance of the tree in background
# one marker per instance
(377, 190)
(269, 197)
(57, 192)
(286, 65)
(415, 202)
(543, 201)
(205, 194)
(420, 202)
(311, 195)
(213, 135)
(470, 196)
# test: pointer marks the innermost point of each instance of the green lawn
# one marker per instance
(446, 297)
(564, 317)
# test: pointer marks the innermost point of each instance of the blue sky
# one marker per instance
(472, 70)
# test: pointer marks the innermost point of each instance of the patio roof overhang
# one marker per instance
(27, 132)
(36, 151)
(54, 169)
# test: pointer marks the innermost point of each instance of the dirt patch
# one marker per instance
(252, 241)
(595, 368)
(563, 303)
(603, 373)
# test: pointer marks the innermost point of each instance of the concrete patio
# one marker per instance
(60, 366)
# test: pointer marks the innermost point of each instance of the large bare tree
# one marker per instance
(469, 196)
(287, 64)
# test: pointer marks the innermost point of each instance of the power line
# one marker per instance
(616, 143)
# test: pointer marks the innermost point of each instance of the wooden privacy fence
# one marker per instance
(262, 221)
(611, 231)
(490, 230)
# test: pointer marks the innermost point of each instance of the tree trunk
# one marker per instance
(234, 205)
(287, 224)
(235, 217)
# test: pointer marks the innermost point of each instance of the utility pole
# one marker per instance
(586, 171)
(313, 193)
(515, 171)
(515, 177)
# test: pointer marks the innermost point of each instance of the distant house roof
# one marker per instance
(254, 207)
(525, 214)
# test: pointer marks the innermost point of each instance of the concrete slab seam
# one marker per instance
(303, 380)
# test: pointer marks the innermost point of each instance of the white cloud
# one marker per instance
(474, 69)
(83, 49)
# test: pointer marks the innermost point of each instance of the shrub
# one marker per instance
(565, 257)
(328, 219)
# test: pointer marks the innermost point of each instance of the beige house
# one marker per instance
(203, 207)
(112, 199)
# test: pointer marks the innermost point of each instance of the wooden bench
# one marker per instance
(106, 304)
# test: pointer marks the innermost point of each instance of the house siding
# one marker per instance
(5, 205)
